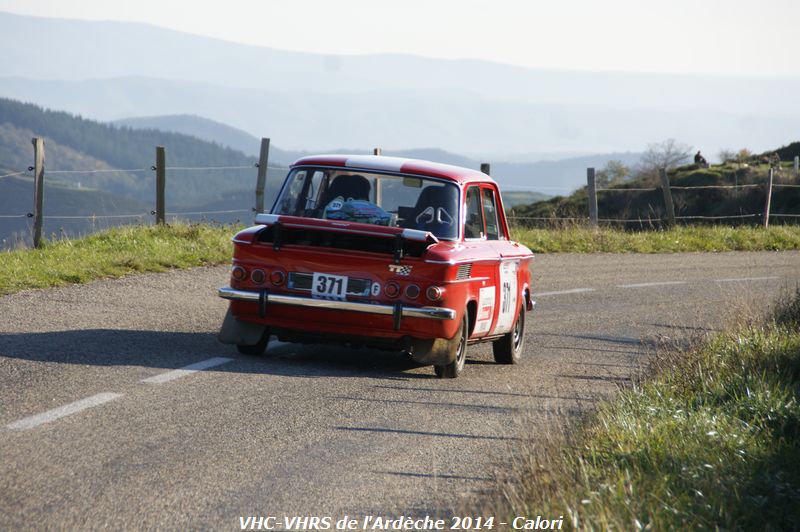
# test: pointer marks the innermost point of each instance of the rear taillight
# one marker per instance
(238, 273)
(412, 291)
(277, 277)
(434, 293)
(392, 289)
(258, 276)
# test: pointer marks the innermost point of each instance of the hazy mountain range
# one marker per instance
(551, 177)
(98, 174)
(317, 102)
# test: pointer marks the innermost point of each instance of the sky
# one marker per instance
(741, 38)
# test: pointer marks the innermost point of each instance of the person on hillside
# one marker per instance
(699, 160)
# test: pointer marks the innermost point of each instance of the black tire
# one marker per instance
(508, 349)
(256, 349)
(459, 345)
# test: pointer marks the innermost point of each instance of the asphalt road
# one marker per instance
(98, 431)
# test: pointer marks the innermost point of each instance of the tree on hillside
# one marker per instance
(613, 173)
(666, 154)
(726, 155)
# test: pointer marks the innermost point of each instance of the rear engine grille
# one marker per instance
(464, 272)
(355, 287)
(341, 240)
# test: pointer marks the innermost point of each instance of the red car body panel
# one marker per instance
(476, 276)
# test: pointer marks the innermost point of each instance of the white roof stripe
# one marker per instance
(372, 162)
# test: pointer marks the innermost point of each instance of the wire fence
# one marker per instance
(668, 216)
(29, 174)
(237, 209)
(35, 202)
(626, 189)
(14, 174)
(107, 171)
(705, 187)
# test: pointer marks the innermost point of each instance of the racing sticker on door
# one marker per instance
(508, 297)
(485, 310)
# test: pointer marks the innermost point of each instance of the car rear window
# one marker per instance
(381, 199)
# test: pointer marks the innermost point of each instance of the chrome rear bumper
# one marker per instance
(434, 313)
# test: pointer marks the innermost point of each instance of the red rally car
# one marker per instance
(384, 252)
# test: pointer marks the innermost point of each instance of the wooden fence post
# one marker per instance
(662, 172)
(38, 190)
(261, 182)
(768, 200)
(486, 168)
(591, 187)
(796, 165)
(161, 181)
(377, 151)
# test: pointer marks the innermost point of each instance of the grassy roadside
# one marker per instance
(114, 253)
(137, 249)
(711, 442)
(581, 239)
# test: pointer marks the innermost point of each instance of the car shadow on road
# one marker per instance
(170, 350)
(330, 360)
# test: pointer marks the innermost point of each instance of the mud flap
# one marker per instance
(438, 352)
(238, 332)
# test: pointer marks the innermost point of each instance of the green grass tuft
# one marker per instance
(115, 253)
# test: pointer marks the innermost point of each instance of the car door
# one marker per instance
(506, 265)
(484, 261)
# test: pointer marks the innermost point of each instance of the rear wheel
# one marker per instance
(257, 349)
(508, 349)
(459, 345)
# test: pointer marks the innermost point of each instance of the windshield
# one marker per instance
(396, 201)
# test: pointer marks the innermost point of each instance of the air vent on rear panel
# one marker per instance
(464, 272)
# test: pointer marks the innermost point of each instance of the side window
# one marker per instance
(490, 211)
(312, 194)
(288, 204)
(473, 223)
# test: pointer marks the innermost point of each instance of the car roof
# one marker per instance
(396, 164)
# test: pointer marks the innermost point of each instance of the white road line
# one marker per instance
(733, 280)
(186, 370)
(643, 285)
(560, 292)
(61, 411)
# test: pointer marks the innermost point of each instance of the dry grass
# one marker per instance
(710, 441)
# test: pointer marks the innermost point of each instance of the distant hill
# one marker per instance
(789, 152)
(202, 128)
(75, 143)
(623, 201)
(548, 177)
(452, 119)
(92, 168)
(513, 198)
